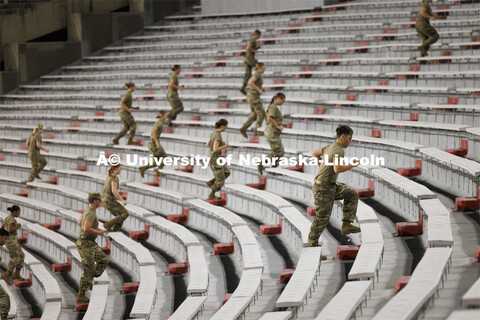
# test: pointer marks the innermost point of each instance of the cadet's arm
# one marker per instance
(39, 146)
(116, 194)
(124, 106)
(343, 168)
(252, 84)
(216, 147)
(249, 48)
(423, 13)
(207, 144)
(79, 223)
(172, 84)
(318, 153)
(11, 227)
(87, 227)
(274, 123)
(27, 143)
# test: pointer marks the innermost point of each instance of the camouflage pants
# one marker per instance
(273, 139)
(220, 173)
(157, 153)
(176, 103)
(38, 163)
(118, 210)
(129, 124)
(94, 262)
(427, 34)
(16, 254)
(249, 65)
(4, 304)
(324, 196)
(256, 111)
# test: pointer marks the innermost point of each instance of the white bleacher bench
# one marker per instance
(439, 229)
(344, 304)
(190, 307)
(294, 295)
(371, 233)
(279, 315)
(98, 301)
(470, 314)
(244, 294)
(367, 261)
(198, 282)
(472, 297)
(421, 287)
(250, 251)
(365, 214)
(143, 267)
(12, 313)
(469, 166)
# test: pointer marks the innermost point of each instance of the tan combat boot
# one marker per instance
(210, 182)
(108, 225)
(260, 169)
(16, 275)
(142, 170)
(348, 227)
(212, 196)
(81, 297)
(243, 132)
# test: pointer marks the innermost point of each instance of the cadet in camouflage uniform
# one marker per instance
(326, 189)
(94, 260)
(217, 145)
(425, 31)
(253, 98)
(154, 145)
(274, 129)
(109, 200)
(4, 298)
(249, 60)
(15, 251)
(34, 145)
(172, 94)
(125, 113)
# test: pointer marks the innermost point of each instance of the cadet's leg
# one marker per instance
(132, 127)
(247, 76)
(324, 197)
(41, 164)
(4, 304)
(87, 253)
(350, 203)
(18, 259)
(125, 127)
(258, 107)
(251, 117)
(432, 35)
(101, 261)
(34, 162)
(178, 107)
(120, 213)
(12, 252)
(277, 149)
(219, 173)
(161, 154)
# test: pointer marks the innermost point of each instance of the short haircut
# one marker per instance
(344, 129)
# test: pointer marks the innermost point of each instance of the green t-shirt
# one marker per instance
(107, 189)
(215, 136)
(325, 173)
(258, 82)
(173, 77)
(91, 216)
(8, 221)
(274, 112)
(159, 125)
(32, 143)
(253, 45)
(421, 19)
(128, 99)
